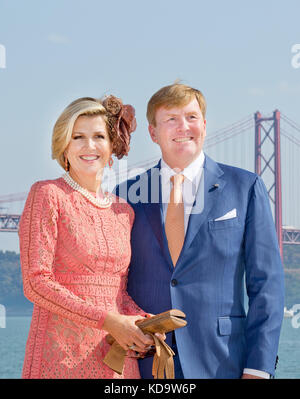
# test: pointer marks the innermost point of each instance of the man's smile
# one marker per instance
(182, 139)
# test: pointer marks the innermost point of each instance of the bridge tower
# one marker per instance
(267, 163)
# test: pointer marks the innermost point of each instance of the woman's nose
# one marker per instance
(91, 143)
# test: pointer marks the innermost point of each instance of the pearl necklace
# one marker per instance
(100, 203)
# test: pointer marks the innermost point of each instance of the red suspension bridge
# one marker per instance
(275, 156)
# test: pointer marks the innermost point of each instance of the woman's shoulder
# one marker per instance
(50, 187)
(43, 198)
(119, 200)
(121, 204)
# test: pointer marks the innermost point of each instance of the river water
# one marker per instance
(13, 340)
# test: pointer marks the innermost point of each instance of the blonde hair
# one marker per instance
(63, 128)
(175, 95)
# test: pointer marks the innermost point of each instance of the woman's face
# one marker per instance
(90, 147)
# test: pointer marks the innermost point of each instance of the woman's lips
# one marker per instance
(89, 157)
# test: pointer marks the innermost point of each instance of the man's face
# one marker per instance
(180, 133)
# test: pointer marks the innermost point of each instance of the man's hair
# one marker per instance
(175, 95)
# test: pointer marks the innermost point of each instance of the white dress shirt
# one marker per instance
(192, 177)
(193, 174)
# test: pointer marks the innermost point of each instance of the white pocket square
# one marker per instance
(229, 215)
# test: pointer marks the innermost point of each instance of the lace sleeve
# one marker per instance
(130, 307)
(38, 237)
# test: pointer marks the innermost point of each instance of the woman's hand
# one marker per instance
(160, 336)
(126, 332)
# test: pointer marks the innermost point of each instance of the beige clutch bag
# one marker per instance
(160, 323)
(163, 322)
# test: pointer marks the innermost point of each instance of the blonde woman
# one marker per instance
(75, 250)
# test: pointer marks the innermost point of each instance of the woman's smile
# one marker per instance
(89, 158)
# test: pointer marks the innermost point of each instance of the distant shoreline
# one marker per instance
(18, 313)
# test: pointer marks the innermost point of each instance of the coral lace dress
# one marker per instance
(74, 259)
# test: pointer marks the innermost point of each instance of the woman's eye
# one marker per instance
(76, 137)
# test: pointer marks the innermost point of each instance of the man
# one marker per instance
(198, 239)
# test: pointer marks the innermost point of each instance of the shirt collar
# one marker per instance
(191, 172)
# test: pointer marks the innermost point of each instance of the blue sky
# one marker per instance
(237, 53)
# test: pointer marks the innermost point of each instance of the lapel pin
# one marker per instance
(214, 186)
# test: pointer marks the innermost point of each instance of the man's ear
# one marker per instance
(152, 132)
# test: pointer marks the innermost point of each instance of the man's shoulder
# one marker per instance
(144, 176)
(141, 188)
(235, 170)
(238, 174)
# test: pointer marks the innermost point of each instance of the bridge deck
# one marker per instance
(10, 223)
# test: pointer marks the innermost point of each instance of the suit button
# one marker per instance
(174, 282)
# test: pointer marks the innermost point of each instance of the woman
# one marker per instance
(75, 250)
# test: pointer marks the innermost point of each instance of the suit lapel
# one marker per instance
(153, 208)
(210, 188)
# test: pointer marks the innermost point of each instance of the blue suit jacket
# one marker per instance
(207, 284)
